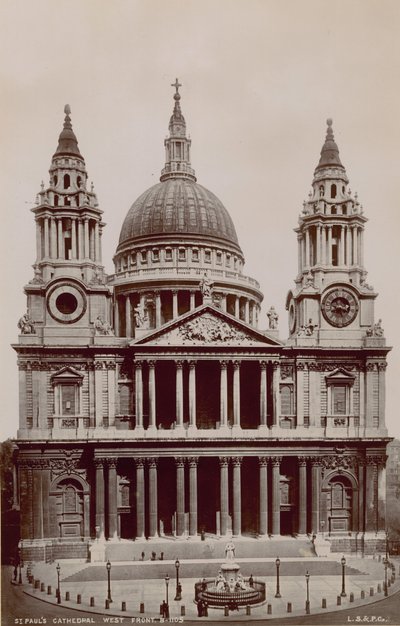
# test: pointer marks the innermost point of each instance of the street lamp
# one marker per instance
(343, 562)
(108, 566)
(308, 593)
(178, 594)
(387, 544)
(20, 574)
(58, 568)
(278, 592)
(166, 591)
(386, 563)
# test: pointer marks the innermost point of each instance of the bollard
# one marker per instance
(30, 579)
(323, 603)
(37, 583)
(141, 609)
(248, 609)
(351, 597)
(338, 600)
(42, 587)
(362, 594)
(183, 610)
(226, 611)
(289, 607)
(371, 591)
(123, 606)
(91, 601)
(378, 588)
(269, 609)
(379, 558)
(107, 604)
(49, 590)
(67, 595)
(79, 599)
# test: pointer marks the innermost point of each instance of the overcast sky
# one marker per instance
(259, 78)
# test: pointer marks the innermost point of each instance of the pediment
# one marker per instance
(340, 375)
(207, 325)
(67, 375)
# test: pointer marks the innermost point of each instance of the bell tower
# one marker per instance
(331, 303)
(68, 289)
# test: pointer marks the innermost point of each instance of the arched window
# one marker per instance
(79, 181)
(56, 200)
(333, 191)
(67, 181)
(321, 191)
(286, 396)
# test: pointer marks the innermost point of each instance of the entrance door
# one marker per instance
(339, 499)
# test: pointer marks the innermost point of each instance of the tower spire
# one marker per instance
(67, 141)
(177, 145)
(330, 151)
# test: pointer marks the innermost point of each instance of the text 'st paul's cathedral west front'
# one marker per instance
(153, 407)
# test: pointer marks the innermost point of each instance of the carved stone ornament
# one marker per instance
(25, 324)
(209, 329)
(286, 371)
(339, 462)
(101, 327)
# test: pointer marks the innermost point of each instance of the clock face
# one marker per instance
(66, 303)
(339, 307)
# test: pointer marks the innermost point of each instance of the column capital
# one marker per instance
(179, 364)
(300, 366)
(192, 364)
(192, 461)
(224, 461)
(138, 365)
(223, 364)
(180, 462)
(99, 463)
(263, 461)
(151, 363)
(139, 462)
(111, 462)
(302, 460)
(152, 461)
(237, 461)
(379, 460)
(236, 364)
(263, 365)
(316, 461)
(382, 366)
(276, 364)
(276, 461)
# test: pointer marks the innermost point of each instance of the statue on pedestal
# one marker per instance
(25, 325)
(272, 318)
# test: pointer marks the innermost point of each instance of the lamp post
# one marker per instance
(323, 528)
(308, 593)
(387, 544)
(178, 595)
(343, 562)
(108, 566)
(58, 568)
(386, 563)
(20, 574)
(166, 591)
(278, 591)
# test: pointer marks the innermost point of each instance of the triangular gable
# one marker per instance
(340, 375)
(67, 375)
(207, 325)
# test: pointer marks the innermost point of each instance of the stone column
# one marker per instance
(179, 393)
(382, 392)
(237, 496)
(246, 311)
(329, 257)
(192, 299)
(96, 242)
(371, 495)
(193, 496)
(153, 500)
(60, 239)
(80, 240)
(263, 468)
(73, 238)
(302, 460)
(224, 493)
(112, 499)
(300, 393)
(361, 255)
(180, 497)
(192, 393)
(275, 393)
(237, 307)
(38, 240)
(128, 317)
(116, 318)
(98, 386)
(223, 394)
(140, 499)
(86, 235)
(152, 394)
(53, 238)
(318, 242)
(46, 237)
(139, 394)
(174, 304)
(111, 392)
(341, 246)
(381, 493)
(263, 393)
(236, 394)
(315, 494)
(361, 490)
(348, 246)
(369, 395)
(158, 309)
(355, 246)
(100, 501)
(223, 302)
(299, 253)
(307, 259)
(276, 495)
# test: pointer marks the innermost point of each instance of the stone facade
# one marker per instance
(152, 405)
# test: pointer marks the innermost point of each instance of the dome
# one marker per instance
(178, 206)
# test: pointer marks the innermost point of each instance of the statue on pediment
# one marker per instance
(273, 318)
(25, 325)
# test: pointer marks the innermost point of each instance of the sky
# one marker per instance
(260, 78)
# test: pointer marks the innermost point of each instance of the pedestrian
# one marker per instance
(251, 580)
(203, 585)
(200, 608)
(143, 555)
(205, 608)
(162, 556)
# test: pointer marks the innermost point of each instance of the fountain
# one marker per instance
(230, 588)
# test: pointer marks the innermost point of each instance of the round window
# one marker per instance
(66, 303)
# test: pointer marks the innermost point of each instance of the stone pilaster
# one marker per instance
(153, 500)
(152, 394)
(100, 496)
(302, 528)
(112, 499)
(315, 494)
(193, 496)
(140, 499)
(192, 393)
(237, 496)
(139, 394)
(179, 393)
(180, 496)
(263, 393)
(263, 469)
(224, 493)
(236, 394)
(223, 394)
(276, 495)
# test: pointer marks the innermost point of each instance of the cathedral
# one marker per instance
(151, 405)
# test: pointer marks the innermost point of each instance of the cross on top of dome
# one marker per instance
(176, 84)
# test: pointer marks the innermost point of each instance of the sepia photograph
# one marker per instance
(199, 325)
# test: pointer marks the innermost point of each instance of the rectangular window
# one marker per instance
(68, 399)
(339, 397)
(219, 258)
(168, 254)
(156, 255)
(207, 256)
(182, 254)
(195, 254)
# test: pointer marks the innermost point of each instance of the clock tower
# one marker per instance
(332, 304)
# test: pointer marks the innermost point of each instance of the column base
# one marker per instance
(192, 429)
(151, 430)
